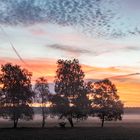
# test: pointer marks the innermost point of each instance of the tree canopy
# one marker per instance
(16, 92)
(106, 102)
(70, 100)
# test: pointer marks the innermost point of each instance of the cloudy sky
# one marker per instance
(103, 34)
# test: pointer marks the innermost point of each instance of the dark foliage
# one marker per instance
(106, 103)
(16, 93)
(71, 99)
(74, 99)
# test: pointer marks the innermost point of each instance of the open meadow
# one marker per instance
(127, 129)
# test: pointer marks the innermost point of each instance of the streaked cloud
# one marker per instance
(123, 76)
(132, 48)
(69, 49)
(74, 51)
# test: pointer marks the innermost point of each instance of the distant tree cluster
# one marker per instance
(74, 99)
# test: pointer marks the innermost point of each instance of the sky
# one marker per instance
(103, 34)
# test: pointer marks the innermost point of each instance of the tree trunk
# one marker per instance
(43, 122)
(102, 125)
(15, 118)
(15, 123)
(71, 122)
(43, 117)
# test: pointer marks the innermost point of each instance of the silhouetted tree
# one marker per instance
(42, 95)
(106, 102)
(16, 93)
(70, 100)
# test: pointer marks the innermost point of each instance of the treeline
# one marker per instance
(73, 99)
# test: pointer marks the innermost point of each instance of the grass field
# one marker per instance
(128, 129)
(78, 133)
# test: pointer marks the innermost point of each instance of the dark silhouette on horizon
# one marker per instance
(74, 99)
(107, 105)
(70, 101)
(16, 93)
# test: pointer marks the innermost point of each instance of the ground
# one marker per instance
(79, 133)
(128, 129)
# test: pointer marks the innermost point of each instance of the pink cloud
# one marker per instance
(37, 31)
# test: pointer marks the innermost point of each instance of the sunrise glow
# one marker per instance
(108, 47)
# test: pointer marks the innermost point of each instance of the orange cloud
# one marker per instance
(129, 92)
(39, 67)
(126, 80)
(128, 85)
